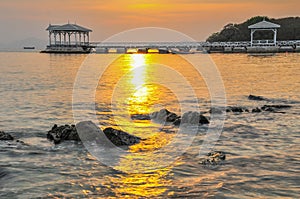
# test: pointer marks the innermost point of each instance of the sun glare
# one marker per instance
(140, 97)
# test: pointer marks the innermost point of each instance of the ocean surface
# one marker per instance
(262, 149)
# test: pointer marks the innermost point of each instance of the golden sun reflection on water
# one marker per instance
(139, 94)
(136, 185)
(138, 102)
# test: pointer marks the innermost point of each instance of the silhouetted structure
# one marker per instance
(68, 38)
(265, 26)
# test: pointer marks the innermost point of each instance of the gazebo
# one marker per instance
(61, 35)
(266, 26)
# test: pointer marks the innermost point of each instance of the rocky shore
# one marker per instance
(58, 134)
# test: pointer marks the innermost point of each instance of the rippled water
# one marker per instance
(262, 149)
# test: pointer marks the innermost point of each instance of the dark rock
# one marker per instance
(193, 118)
(164, 115)
(276, 107)
(190, 118)
(203, 120)
(171, 117)
(61, 133)
(257, 98)
(22, 143)
(5, 136)
(3, 173)
(140, 117)
(256, 110)
(120, 138)
(177, 122)
(215, 110)
(214, 158)
(268, 109)
(236, 109)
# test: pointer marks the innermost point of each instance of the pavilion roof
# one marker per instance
(68, 27)
(264, 25)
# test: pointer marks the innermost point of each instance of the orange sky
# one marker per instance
(21, 19)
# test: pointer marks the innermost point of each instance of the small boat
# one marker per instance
(29, 47)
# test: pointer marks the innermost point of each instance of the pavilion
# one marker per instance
(68, 38)
(265, 26)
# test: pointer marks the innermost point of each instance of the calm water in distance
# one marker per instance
(262, 149)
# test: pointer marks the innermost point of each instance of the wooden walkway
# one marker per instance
(191, 44)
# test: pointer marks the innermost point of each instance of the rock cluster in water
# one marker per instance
(5, 136)
(214, 158)
(271, 108)
(239, 109)
(166, 116)
(236, 109)
(62, 133)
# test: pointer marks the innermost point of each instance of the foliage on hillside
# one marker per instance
(290, 30)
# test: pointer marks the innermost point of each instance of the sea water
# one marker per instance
(262, 149)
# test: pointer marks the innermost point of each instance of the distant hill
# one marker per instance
(290, 30)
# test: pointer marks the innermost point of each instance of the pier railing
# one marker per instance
(192, 44)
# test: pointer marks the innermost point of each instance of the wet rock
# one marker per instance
(256, 110)
(268, 109)
(140, 117)
(203, 120)
(164, 115)
(120, 138)
(192, 117)
(236, 109)
(61, 133)
(265, 107)
(257, 98)
(215, 110)
(274, 108)
(3, 173)
(214, 158)
(177, 122)
(5, 136)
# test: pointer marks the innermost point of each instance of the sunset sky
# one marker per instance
(21, 19)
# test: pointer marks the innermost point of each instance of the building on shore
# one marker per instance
(68, 38)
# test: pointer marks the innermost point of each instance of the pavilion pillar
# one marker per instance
(80, 38)
(55, 38)
(49, 38)
(75, 36)
(252, 33)
(65, 38)
(59, 38)
(69, 38)
(84, 38)
(88, 37)
(275, 36)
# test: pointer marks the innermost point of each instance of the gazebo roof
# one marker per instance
(68, 27)
(264, 25)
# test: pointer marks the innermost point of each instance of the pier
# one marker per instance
(259, 46)
(72, 38)
(252, 46)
